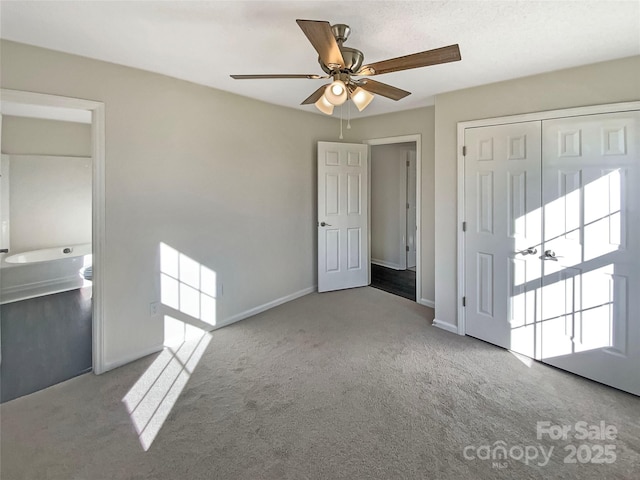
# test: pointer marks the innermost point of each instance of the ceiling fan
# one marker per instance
(342, 64)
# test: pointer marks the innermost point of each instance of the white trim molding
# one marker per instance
(417, 139)
(97, 111)
(132, 358)
(225, 323)
(460, 329)
(384, 263)
(265, 306)
(445, 326)
(526, 117)
(427, 303)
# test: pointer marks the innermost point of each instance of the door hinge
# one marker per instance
(408, 163)
(464, 226)
(408, 206)
(407, 248)
(464, 301)
(464, 150)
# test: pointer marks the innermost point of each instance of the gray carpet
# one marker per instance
(351, 385)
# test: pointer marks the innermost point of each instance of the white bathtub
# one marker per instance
(43, 272)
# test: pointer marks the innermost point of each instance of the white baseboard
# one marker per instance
(26, 291)
(449, 327)
(131, 358)
(233, 319)
(264, 307)
(427, 303)
(384, 263)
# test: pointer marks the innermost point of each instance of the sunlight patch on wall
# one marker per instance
(187, 286)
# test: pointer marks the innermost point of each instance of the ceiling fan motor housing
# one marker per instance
(352, 61)
(352, 58)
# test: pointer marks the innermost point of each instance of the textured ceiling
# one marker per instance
(204, 42)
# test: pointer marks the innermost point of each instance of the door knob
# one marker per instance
(529, 251)
(324, 224)
(550, 255)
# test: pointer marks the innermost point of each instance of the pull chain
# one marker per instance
(341, 110)
(349, 115)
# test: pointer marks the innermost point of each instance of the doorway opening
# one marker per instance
(394, 215)
(76, 252)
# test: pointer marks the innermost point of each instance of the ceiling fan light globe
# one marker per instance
(336, 93)
(324, 106)
(361, 98)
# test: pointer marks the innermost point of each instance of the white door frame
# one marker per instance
(526, 117)
(405, 214)
(98, 200)
(417, 139)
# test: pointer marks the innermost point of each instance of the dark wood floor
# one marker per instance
(398, 282)
(44, 340)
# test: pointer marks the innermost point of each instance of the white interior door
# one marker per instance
(411, 209)
(503, 234)
(590, 321)
(552, 246)
(343, 217)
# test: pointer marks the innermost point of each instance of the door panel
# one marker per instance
(332, 195)
(354, 240)
(353, 193)
(589, 322)
(502, 209)
(342, 216)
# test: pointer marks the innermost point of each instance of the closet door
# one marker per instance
(590, 319)
(503, 235)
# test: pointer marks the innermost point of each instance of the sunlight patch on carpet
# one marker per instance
(150, 401)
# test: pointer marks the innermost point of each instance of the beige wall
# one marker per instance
(50, 201)
(388, 200)
(410, 122)
(49, 182)
(226, 180)
(35, 136)
(607, 82)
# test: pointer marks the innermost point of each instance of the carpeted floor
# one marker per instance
(354, 384)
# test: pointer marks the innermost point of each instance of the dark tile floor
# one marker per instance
(398, 282)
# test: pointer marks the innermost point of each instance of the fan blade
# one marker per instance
(251, 77)
(321, 37)
(417, 60)
(382, 89)
(313, 98)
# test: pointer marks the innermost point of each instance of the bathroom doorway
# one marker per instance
(52, 241)
(395, 219)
